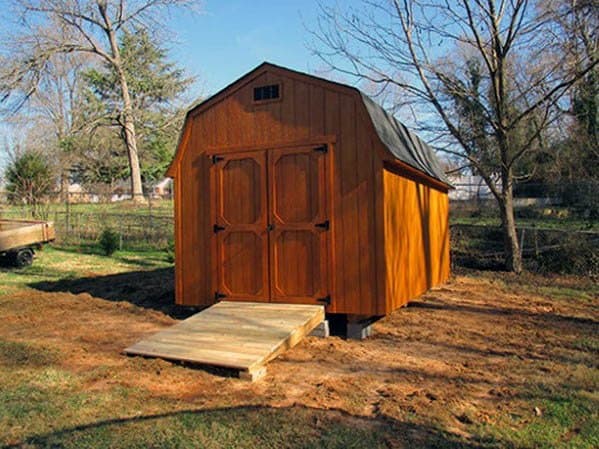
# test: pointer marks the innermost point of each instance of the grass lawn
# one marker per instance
(158, 208)
(489, 360)
(545, 223)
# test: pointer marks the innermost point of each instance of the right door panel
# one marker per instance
(299, 237)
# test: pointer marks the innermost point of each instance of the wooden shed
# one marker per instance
(293, 189)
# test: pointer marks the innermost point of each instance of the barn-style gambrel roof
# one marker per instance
(404, 144)
(399, 141)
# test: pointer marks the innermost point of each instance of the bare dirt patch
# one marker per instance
(461, 357)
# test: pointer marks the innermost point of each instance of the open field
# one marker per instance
(157, 207)
(556, 243)
(545, 223)
(490, 360)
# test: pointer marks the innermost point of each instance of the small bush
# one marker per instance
(109, 241)
(575, 255)
(170, 251)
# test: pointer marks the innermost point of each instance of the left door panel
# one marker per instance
(240, 226)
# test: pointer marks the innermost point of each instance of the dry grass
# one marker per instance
(489, 360)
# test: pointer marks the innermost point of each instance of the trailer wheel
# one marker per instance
(23, 257)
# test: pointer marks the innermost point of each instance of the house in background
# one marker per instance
(469, 187)
(163, 189)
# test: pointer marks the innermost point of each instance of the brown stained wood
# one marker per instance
(180, 296)
(348, 204)
(238, 335)
(241, 212)
(317, 110)
(332, 116)
(22, 233)
(287, 113)
(298, 194)
(416, 238)
(358, 272)
(301, 123)
(366, 235)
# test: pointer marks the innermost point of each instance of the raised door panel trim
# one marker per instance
(295, 232)
(242, 246)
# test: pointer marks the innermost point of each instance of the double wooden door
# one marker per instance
(271, 225)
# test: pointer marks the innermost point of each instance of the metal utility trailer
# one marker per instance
(20, 238)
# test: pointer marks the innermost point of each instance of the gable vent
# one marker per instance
(269, 92)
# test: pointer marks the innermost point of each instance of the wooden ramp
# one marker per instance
(238, 335)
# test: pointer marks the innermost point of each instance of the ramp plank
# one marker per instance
(239, 335)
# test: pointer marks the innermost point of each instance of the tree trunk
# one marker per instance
(131, 142)
(64, 186)
(128, 124)
(513, 258)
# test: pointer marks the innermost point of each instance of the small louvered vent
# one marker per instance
(269, 92)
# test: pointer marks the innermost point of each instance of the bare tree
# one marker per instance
(579, 21)
(56, 110)
(92, 27)
(482, 77)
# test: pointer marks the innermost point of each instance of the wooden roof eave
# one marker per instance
(171, 171)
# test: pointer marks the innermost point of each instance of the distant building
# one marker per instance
(469, 187)
(77, 194)
(163, 189)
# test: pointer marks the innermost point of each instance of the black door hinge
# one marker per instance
(324, 225)
(218, 296)
(326, 300)
(322, 149)
(216, 159)
(217, 228)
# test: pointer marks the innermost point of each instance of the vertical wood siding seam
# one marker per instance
(377, 296)
(362, 282)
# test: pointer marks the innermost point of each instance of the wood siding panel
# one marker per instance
(416, 231)
(309, 111)
(365, 220)
(317, 110)
(193, 224)
(301, 93)
(348, 205)
(332, 126)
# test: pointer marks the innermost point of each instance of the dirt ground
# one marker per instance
(466, 355)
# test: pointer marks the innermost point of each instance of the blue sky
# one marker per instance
(228, 38)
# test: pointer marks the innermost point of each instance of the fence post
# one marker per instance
(78, 228)
(151, 233)
(120, 235)
(67, 219)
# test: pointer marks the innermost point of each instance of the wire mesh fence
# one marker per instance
(543, 250)
(149, 225)
(551, 239)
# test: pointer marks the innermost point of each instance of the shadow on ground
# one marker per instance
(249, 427)
(150, 289)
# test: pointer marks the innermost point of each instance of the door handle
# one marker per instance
(270, 227)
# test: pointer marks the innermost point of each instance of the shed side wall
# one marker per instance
(307, 111)
(416, 234)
